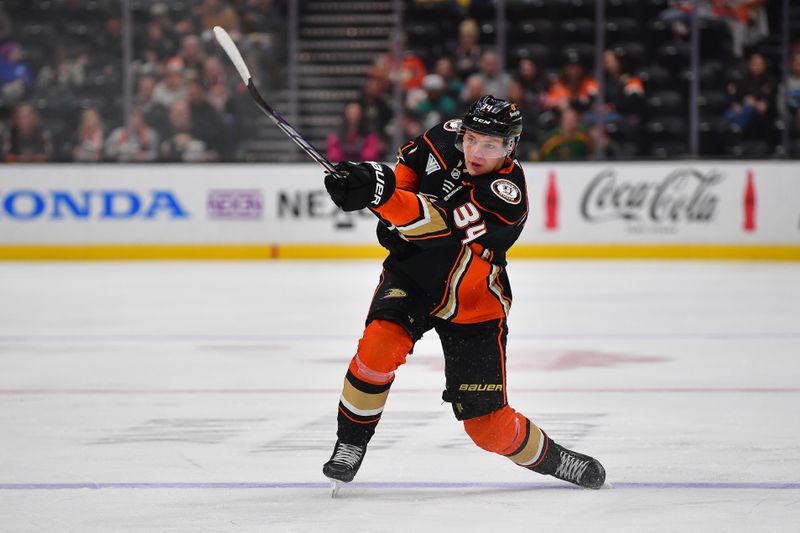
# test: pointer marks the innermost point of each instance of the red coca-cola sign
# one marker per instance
(551, 203)
(750, 203)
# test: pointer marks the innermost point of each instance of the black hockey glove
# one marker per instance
(392, 241)
(360, 185)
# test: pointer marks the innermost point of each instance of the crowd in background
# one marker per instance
(61, 82)
(560, 105)
(61, 99)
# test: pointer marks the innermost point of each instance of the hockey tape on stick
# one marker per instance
(228, 45)
(236, 58)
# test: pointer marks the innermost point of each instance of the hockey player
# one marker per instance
(454, 204)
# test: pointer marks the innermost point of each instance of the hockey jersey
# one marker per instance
(461, 226)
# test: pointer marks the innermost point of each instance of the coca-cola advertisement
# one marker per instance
(695, 203)
(659, 203)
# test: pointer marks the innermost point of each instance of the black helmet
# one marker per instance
(492, 116)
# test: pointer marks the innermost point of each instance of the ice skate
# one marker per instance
(574, 467)
(343, 465)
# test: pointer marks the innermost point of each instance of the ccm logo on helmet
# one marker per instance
(379, 183)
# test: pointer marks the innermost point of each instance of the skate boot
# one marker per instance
(574, 467)
(343, 464)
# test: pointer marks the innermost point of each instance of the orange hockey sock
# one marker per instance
(508, 433)
(381, 350)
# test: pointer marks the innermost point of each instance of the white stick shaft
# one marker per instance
(228, 45)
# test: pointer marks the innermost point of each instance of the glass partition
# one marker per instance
(143, 80)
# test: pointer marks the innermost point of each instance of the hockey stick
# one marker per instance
(236, 58)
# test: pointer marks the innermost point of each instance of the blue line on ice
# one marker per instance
(691, 485)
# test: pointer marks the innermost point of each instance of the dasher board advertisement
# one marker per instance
(687, 202)
(47, 211)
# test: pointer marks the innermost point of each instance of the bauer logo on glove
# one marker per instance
(356, 186)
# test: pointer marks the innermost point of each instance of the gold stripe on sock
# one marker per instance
(532, 450)
(363, 401)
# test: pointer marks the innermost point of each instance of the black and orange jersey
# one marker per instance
(461, 225)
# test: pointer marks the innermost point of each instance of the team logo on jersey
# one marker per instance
(432, 165)
(507, 191)
(394, 293)
(452, 125)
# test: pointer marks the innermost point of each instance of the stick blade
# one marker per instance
(233, 53)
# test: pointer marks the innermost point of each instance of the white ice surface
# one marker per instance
(202, 397)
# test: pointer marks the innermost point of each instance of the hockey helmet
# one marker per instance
(495, 117)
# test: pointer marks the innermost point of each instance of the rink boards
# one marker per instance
(688, 209)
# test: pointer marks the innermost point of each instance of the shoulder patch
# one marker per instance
(507, 191)
(432, 165)
(452, 125)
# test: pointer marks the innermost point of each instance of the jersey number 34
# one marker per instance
(468, 218)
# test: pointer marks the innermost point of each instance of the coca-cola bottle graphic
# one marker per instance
(750, 203)
(551, 203)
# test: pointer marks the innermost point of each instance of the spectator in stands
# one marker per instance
(139, 144)
(149, 64)
(258, 15)
(352, 141)
(411, 72)
(570, 141)
(65, 73)
(207, 122)
(214, 81)
(495, 81)
(533, 82)
(445, 68)
(624, 92)
(467, 52)
(86, 146)
(173, 87)
(158, 40)
(219, 13)
(472, 91)
(753, 98)
(747, 21)
(108, 44)
(573, 87)
(376, 109)
(155, 114)
(436, 105)
(410, 125)
(159, 12)
(26, 141)
(789, 94)
(526, 149)
(16, 77)
(183, 143)
(192, 53)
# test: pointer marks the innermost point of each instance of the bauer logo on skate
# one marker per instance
(683, 195)
(30, 204)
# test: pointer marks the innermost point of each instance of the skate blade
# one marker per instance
(336, 485)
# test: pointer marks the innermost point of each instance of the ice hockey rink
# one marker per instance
(185, 396)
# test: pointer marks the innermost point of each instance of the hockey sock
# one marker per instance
(381, 350)
(510, 434)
